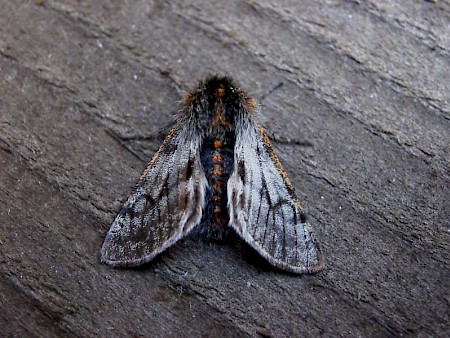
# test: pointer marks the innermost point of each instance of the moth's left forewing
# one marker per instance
(263, 208)
(165, 205)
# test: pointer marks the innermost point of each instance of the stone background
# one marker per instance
(365, 82)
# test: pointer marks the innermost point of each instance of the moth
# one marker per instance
(216, 170)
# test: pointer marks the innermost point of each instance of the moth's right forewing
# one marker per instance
(263, 208)
(165, 206)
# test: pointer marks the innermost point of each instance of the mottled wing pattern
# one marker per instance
(263, 208)
(166, 204)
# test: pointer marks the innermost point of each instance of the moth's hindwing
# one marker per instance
(263, 208)
(166, 204)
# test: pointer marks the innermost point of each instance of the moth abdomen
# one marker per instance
(217, 158)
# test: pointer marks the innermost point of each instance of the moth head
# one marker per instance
(217, 103)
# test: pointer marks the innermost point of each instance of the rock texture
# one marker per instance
(365, 82)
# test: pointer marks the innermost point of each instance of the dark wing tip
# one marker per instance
(108, 258)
